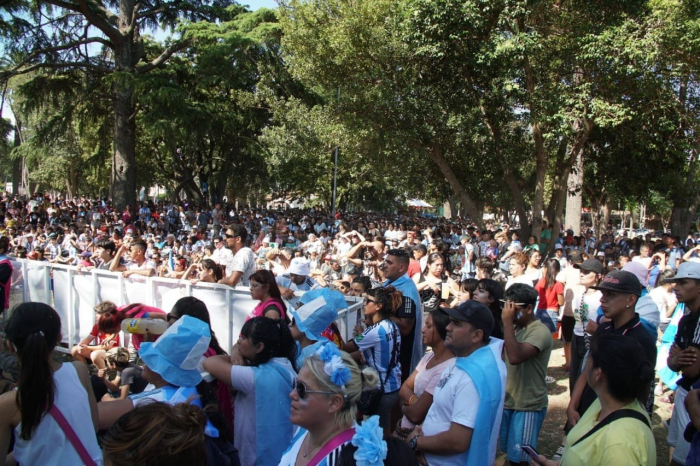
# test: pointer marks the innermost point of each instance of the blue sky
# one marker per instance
(255, 4)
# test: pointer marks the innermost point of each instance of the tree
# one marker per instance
(103, 38)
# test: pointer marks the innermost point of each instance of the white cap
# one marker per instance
(299, 266)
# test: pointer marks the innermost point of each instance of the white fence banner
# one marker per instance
(74, 294)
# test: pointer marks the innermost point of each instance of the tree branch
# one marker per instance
(102, 19)
(167, 53)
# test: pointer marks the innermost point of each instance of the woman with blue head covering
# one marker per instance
(319, 310)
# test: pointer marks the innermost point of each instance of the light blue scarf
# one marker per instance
(406, 286)
(273, 429)
(483, 370)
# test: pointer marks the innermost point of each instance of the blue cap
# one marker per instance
(319, 310)
(176, 354)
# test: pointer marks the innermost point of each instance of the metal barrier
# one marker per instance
(74, 294)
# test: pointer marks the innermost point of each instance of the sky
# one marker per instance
(255, 4)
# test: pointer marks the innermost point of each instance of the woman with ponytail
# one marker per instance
(51, 399)
(262, 429)
(379, 346)
(616, 428)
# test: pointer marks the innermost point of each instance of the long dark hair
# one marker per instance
(432, 258)
(389, 297)
(214, 267)
(440, 322)
(551, 269)
(275, 336)
(193, 307)
(265, 277)
(34, 330)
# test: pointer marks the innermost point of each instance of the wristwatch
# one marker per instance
(413, 443)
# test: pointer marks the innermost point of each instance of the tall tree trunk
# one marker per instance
(435, 154)
(17, 161)
(574, 196)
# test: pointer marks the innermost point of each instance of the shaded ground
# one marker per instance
(551, 434)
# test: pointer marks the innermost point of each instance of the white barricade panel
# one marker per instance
(75, 295)
(109, 288)
(137, 290)
(83, 304)
(166, 293)
(36, 282)
(62, 304)
(241, 307)
(218, 307)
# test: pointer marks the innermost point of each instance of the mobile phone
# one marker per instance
(531, 452)
(274, 245)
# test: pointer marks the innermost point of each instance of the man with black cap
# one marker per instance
(683, 356)
(468, 401)
(621, 290)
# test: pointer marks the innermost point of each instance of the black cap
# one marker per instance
(591, 265)
(473, 312)
(621, 281)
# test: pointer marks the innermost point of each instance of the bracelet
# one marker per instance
(413, 400)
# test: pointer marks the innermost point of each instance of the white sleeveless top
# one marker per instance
(49, 446)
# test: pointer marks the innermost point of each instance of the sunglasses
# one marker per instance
(367, 300)
(303, 390)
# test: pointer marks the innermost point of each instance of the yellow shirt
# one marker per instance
(626, 441)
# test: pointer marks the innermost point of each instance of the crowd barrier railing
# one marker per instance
(75, 293)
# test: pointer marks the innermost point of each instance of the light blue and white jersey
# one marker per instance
(376, 344)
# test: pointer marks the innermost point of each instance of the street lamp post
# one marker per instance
(335, 171)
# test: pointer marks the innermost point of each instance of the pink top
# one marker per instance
(425, 381)
(258, 311)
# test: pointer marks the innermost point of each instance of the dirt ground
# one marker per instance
(551, 434)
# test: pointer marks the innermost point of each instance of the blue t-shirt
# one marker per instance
(377, 343)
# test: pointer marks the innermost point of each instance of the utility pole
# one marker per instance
(335, 171)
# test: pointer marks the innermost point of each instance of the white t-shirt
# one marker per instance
(243, 261)
(456, 400)
(663, 301)
(591, 303)
(524, 279)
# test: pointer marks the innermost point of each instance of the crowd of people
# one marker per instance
(447, 365)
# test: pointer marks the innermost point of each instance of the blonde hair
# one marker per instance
(360, 380)
(520, 258)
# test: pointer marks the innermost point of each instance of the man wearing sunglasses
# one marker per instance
(242, 265)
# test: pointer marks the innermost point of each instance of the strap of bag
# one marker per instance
(619, 414)
(71, 436)
(343, 437)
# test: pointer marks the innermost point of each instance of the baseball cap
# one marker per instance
(473, 312)
(686, 270)
(621, 281)
(591, 265)
(558, 246)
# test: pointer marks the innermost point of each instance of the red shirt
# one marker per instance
(548, 296)
(413, 268)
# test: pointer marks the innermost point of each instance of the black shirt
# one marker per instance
(688, 335)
